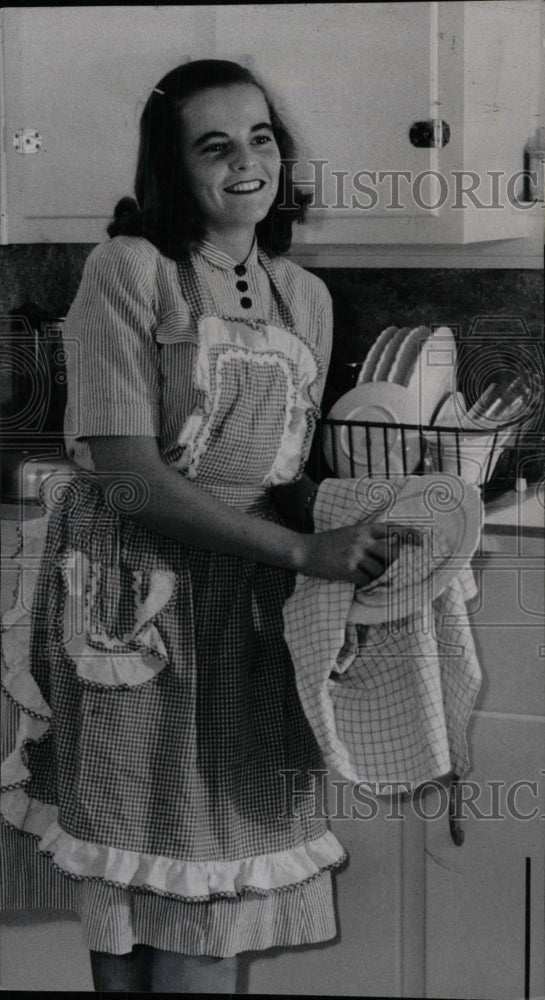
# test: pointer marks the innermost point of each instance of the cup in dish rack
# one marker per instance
(472, 456)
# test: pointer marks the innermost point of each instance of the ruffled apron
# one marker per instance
(161, 736)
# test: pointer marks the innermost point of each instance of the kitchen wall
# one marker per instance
(46, 274)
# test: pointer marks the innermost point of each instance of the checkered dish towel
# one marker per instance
(387, 702)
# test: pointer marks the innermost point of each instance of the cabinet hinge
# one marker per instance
(27, 140)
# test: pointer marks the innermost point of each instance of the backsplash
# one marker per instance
(366, 301)
(45, 274)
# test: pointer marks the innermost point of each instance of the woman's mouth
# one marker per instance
(245, 187)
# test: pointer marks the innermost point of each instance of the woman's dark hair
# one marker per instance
(165, 211)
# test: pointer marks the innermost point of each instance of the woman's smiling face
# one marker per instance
(231, 158)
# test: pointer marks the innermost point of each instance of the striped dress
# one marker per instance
(158, 745)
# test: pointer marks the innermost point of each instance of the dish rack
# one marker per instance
(521, 458)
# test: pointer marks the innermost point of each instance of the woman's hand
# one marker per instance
(358, 554)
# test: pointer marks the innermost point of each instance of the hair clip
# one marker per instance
(157, 91)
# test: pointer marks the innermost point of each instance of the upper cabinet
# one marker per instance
(356, 78)
(79, 77)
(359, 85)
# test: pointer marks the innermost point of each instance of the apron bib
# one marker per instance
(253, 421)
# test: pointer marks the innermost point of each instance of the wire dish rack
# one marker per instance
(494, 459)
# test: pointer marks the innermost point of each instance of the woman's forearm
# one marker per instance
(175, 507)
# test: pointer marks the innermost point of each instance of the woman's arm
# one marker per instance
(173, 506)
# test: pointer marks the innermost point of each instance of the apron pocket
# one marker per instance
(110, 629)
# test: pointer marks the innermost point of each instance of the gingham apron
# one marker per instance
(173, 712)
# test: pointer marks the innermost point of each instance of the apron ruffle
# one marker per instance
(119, 646)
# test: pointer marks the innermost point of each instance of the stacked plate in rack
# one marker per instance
(405, 379)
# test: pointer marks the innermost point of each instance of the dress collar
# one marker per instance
(218, 258)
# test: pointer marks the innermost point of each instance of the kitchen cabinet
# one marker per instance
(419, 915)
(379, 901)
(355, 77)
(484, 901)
(483, 906)
(351, 78)
(80, 77)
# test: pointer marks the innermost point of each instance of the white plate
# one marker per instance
(386, 360)
(472, 456)
(406, 354)
(405, 358)
(383, 402)
(369, 365)
(432, 369)
(447, 512)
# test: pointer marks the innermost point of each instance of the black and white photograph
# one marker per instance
(272, 365)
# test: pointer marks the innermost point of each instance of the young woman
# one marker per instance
(162, 728)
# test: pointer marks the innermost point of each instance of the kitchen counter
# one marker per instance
(524, 510)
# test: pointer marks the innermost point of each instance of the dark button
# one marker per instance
(240, 269)
(246, 302)
(242, 286)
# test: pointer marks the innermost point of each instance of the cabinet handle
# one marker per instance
(455, 826)
(433, 134)
(527, 919)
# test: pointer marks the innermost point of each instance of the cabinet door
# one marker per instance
(353, 78)
(379, 904)
(484, 916)
(484, 901)
(79, 76)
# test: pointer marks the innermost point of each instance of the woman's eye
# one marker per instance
(222, 147)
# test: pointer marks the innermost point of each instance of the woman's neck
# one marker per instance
(237, 244)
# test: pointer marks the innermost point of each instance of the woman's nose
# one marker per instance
(242, 159)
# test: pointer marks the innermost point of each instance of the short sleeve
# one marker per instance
(112, 358)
